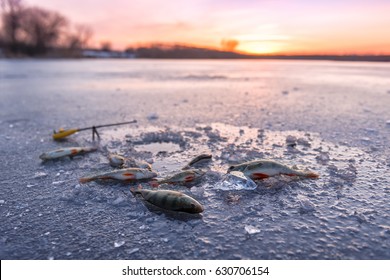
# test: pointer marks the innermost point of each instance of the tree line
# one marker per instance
(34, 31)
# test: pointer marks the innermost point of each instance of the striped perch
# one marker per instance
(71, 151)
(170, 200)
(127, 174)
(184, 176)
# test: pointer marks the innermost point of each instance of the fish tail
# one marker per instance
(85, 180)
(135, 191)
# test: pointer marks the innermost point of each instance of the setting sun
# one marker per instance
(258, 27)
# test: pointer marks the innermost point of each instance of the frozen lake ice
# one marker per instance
(329, 117)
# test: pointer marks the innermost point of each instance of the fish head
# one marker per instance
(236, 168)
(43, 156)
(195, 207)
(148, 173)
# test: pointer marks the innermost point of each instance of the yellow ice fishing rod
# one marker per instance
(62, 133)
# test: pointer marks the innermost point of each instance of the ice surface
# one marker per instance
(344, 214)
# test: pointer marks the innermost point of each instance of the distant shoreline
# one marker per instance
(183, 52)
(308, 58)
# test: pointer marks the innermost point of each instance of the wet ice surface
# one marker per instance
(343, 214)
(47, 214)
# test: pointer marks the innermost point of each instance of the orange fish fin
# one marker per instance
(74, 152)
(312, 175)
(257, 176)
(85, 180)
(189, 178)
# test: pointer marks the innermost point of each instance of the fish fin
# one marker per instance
(312, 175)
(154, 184)
(74, 151)
(128, 174)
(189, 178)
(85, 180)
(257, 176)
(135, 191)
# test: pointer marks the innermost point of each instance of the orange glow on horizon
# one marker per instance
(282, 27)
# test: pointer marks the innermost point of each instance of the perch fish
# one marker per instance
(71, 151)
(185, 176)
(199, 158)
(128, 174)
(261, 169)
(170, 200)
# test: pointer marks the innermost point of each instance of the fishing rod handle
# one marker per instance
(64, 133)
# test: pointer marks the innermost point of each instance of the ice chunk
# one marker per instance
(323, 157)
(303, 142)
(306, 205)
(235, 181)
(39, 175)
(251, 229)
(132, 251)
(291, 141)
(57, 182)
(233, 198)
(118, 244)
(152, 117)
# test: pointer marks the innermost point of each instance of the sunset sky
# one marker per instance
(253, 26)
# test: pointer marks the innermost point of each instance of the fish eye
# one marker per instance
(193, 206)
(231, 168)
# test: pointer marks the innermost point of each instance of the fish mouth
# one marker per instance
(199, 209)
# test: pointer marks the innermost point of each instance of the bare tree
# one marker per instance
(41, 29)
(34, 31)
(229, 44)
(105, 46)
(12, 14)
(78, 39)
